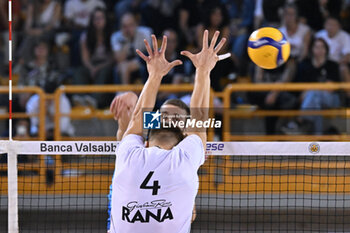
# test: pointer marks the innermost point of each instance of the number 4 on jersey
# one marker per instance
(155, 186)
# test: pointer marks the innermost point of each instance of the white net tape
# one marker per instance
(213, 148)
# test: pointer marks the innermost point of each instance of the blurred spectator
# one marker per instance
(43, 17)
(39, 71)
(33, 106)
(318, 68)
(77, 12)
(160, 14)
(176, 75)
(124, 43)
(242, 18)
(191, 14)
(76, 17)
(97, 59)
(268, 13)
(217, 20)
(123, 6)
(273, 99)
(339, 46)
(337, 40)
(314, 12)
(298, 34)
(345, 16)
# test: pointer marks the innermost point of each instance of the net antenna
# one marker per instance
(10, 70)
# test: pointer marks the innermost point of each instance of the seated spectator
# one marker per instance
(345, 16)
(318, 68)
(337, 40)
(297, 33)
(76, 19)
(124, 43)
(176, 75)
(33, 107)
(39, 70)
(159, 15)
(315, 12)
(43, 17)
(191, 14)
(217, 20)
(123, 6)
(242, 19)
(339, 46)
(268, 13)
(97, 59)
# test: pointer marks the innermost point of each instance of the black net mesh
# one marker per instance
(65, 193)
(274, 194)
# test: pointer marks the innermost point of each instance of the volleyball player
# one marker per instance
(154, 188)
(123, 105)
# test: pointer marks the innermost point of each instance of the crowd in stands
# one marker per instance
(81, 42)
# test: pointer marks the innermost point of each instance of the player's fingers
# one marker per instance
(115, 110)
(148, 47)
(219, 46)
(121, 109)
(175, 63)
(111, 107)
(214, 39)
(205, 39)
(164, 44)
(187, 54)
(155, 44)
(143, 56)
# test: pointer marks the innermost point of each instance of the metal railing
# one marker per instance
(42, 108)
(107, 114)
(250, 87)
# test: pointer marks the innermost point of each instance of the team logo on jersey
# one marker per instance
(151, 120)
(158, 210)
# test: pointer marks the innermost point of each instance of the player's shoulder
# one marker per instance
(191, 142)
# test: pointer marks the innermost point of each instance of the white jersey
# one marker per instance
(297, 39)
(154, 189)
(339, 45)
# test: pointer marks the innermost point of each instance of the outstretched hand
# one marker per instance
(206, 59)
(121, 103)
(156, 62)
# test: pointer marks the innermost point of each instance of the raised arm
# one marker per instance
(204, 61)
(157, 67)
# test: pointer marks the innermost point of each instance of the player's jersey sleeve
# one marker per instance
(193, 148)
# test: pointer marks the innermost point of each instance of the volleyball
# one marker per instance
(268, 48)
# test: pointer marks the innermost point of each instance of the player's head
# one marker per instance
(174, 110)
(165, 138)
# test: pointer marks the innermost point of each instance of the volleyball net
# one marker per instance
(244, 187)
